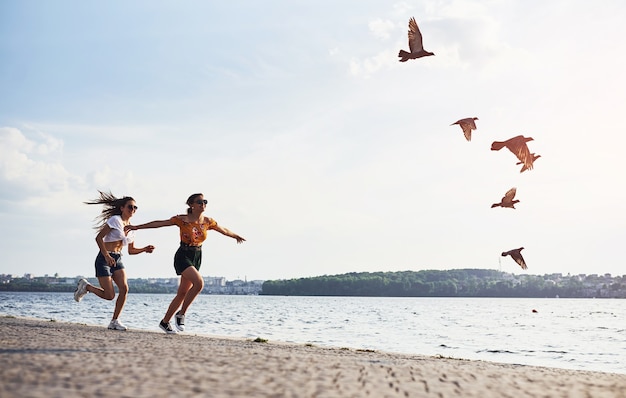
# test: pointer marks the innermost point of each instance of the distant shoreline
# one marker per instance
(423, 283)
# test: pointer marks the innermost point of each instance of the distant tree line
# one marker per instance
(450, 283)
(23, 285)
(427, 283)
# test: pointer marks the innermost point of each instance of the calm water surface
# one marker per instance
(588, 334)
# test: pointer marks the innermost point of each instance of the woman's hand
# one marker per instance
(110, 260)
(129, 228)
(148, 249)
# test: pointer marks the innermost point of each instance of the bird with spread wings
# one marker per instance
(517, 145)
(467, 125)
(416, 47)
(508, 200)
(517, 256)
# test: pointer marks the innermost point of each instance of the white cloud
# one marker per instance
(381, 28)
(105, 177)
(402, 8)
(366, 67)
(29, 166)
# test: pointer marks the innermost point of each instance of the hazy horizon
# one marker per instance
(314, 276)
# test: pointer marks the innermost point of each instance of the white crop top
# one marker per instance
(117, 231)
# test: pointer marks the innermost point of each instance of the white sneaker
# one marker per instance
(180, 322)
(117, 325)
(81, 289)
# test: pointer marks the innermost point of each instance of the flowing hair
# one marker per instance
(112, 206)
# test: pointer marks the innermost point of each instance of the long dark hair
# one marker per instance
(190, 201)
(112, 206)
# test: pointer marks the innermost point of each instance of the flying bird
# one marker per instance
(467, 125)
(518, 146)
(517, 256)
(416, 47)
(507, 200)
(524, 168)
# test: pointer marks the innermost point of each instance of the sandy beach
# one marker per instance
(54, 359)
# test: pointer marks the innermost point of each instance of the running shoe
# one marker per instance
(180, 322)
(167, 328)
(117, 325)
(81, 289)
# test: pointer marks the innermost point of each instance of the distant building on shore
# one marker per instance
(212, 284)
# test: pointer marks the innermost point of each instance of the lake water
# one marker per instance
(585, 334)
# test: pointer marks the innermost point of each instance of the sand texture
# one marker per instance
(41, 358)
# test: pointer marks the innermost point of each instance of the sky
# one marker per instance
(309, 138)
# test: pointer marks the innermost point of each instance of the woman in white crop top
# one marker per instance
(111, 239)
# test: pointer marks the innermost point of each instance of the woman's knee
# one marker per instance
(197, 282)
(120, 281)
(122, 289)
(191, 276)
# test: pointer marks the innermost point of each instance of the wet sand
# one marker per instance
(54, 359)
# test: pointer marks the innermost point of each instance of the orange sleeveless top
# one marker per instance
(193, 233)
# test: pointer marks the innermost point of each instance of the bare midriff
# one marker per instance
(114, 246)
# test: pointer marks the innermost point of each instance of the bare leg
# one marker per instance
(191, 284)
(119, 277)
(183, 287)
(106, 291)
(198, 285)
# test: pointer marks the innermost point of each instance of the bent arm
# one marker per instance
(136, 250)
(103, 249)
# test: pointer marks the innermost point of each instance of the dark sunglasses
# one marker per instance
(131, 207)
(202, 202)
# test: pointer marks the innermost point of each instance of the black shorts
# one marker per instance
(103, 269)
(187, 256)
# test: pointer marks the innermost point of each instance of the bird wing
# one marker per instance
(534, 158)
(509, 195)
(517, 256)
(467, 125)
(415, 37)
(467, 131)
(517, 145)
(525, 156)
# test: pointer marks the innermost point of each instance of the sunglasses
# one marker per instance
(202, 202)
(131, 207)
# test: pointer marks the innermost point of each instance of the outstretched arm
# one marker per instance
(151, 224)
(226, 232)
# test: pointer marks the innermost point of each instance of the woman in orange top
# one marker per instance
(193, 231)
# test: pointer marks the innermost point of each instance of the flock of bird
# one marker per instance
(517, 145)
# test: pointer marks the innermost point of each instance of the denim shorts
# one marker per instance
(187, 256)
(103, 269)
